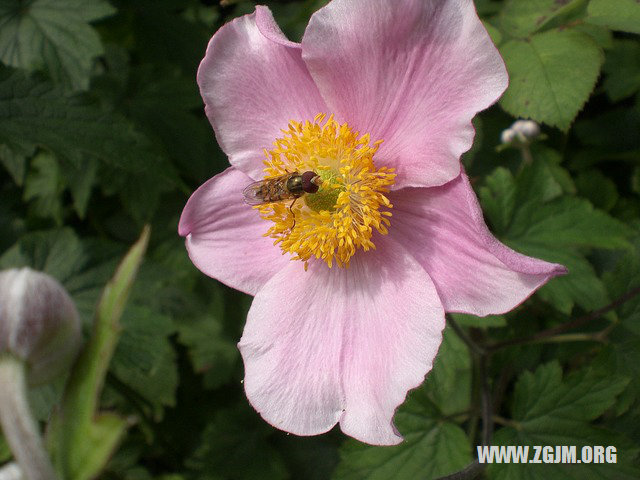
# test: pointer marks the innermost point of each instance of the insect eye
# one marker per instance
(309, 182)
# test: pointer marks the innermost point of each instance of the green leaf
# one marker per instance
(558, 231)
(520, 19)
(533, 214)
(622, 69)
(580, 286)
(601, 35)
(15, 163)
(144, 359)
(81, 181)
(616, 14)
(599, 189)
(81, 439)
(33, 113)
(163, 103)
(52, 35)
(568, 222)
(551, 75)
(228, 441)
(432, 447)
(479, 322)
(550, 410)
(211, 353)
(498, 198)
(449, 383)
(494, 33)
(622, 279)
(544, 179)
(57, 252)
(44, 186)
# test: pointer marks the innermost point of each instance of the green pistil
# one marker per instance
(326, 197)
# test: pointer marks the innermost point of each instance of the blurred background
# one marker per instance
(102, 131)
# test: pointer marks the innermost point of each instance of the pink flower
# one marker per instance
(344, 345)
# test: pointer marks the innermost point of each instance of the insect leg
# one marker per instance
(293, 214)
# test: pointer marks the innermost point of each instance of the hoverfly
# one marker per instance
(285, 187)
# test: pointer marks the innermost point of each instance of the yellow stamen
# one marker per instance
(340, 218)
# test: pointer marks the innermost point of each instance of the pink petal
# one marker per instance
(444, 229)
(410, 72)
(225, 236)
(253, 82)
(336, 345)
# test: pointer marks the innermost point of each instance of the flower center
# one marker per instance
(332, 223)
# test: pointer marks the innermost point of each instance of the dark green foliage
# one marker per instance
(102, 130)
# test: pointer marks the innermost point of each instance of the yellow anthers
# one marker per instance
(341, 216)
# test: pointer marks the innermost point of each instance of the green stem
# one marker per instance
(527, 158)
(18, 425)
(578, 322)
(572, 337)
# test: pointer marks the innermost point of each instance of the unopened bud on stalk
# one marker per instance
(521, 133)
(39, 338)
(39, 323)
(527, 128)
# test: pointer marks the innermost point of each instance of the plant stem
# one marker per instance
(18, 425)
(527, 158)
(578, 322)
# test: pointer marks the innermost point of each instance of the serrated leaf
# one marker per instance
(550, 410)
(211, 353)
(539, 182)
(80, 439)
(228, 441)
(599, 189)
(144, 359)
(498, 198)
(44, 186)
(520, 19)
(580, 286)
(533, 215)
(625, 337)
(449, 383)
(616, 14)
(432, 447)
(34, 113)
(56, 252)
(542, 180)
(52, 35)
(551, 75)
(622, 69)
(568, 222)
(544, 395)
(163, 103)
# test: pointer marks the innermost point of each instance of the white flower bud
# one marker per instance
(39, 323)
(507, 136)
(527, 128)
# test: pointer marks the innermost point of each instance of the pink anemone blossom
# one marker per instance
(351, 282)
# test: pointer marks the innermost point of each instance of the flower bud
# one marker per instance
(39, 323)
(508, 136)
(527, 128)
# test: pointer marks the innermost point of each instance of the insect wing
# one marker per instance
(254, 193)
